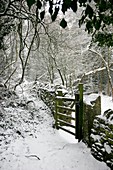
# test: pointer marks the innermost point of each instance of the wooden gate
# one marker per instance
(69, 113)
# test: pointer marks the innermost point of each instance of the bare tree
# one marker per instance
(107, 66)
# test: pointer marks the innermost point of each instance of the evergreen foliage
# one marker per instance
(97, 15)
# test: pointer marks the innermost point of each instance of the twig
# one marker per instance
(28, 156)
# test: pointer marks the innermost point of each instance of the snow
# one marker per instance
(107, 148)
(106, 103)
(96, 137)
(89, 98)
(39, 146)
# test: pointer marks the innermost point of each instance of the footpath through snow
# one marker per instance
(32, 144)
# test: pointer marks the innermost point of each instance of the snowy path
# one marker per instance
(40, 147)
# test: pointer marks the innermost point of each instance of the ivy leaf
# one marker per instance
(97, 24)
(50, 7)
(42, 14)
(54, 16)
(103, 6)
(104, 39)
(66, 5)
(82, 2)
(74, 5)
(30, 3)
(89, 11)
(63, 23)
(89, 26)
(64, 8)
(39, 4)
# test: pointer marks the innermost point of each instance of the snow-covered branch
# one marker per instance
(107, 68)
(89, 73)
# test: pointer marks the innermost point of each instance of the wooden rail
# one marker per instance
(66, 108)
(60, 114)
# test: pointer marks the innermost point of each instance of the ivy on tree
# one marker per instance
(97, 15)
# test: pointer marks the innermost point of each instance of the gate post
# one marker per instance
(77, 115)
(80, 112)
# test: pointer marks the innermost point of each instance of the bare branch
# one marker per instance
(7, 67)
(10, 76)
(107, 69)
(106, 65)
(6, 9)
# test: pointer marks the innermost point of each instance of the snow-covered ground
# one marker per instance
(32, 143)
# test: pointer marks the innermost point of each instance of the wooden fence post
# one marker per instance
(80, 111)
(77, 115)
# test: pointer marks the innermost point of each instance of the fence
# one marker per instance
(65, 106)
